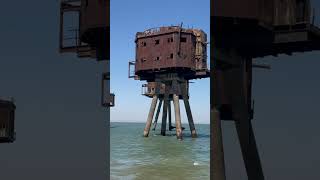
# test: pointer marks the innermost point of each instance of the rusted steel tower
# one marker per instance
(7, 117)
(85, 30)
(244, 30)
(167, 58)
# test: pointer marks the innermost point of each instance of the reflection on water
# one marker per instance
(158, 157)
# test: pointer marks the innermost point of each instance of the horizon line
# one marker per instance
(144, 122)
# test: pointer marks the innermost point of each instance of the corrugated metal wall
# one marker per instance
(236, 8)
(153, 56)
(275, 12)
(94, 14)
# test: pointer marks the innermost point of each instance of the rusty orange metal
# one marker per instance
(171, 49)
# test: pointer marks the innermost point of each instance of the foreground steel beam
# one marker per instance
(249, 150)
(232, 84)
(217, 163)
(241, 34)
(241, 99)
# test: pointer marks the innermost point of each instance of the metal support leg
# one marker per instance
(165, 110)
(177, 116)
(249, 148)
(169, 114)
(217, 163)
(150, 116)
(157, 115)
(243, 124)
(188, 110)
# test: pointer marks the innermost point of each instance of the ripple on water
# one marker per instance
(159, 157)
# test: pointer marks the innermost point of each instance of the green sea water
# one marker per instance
(134, 157)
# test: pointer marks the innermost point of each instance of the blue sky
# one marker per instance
(129, 17)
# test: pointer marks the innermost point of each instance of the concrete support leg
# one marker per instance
(190, 118)
(169, 114)
(150, 116)
(157, 115)
(165, 110)
(164, 117)
(217, 163)
(188, 110)
(177, 116)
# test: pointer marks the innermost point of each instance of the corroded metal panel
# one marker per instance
(291, 12)
(201, 49)
(170, 48)
(266, 11)
(292, 27)
(261, 10)
(236, 8)
(162, 51)
(90, 35)
(94, 14)
(270, 12)
(152, 88)
(284, 12)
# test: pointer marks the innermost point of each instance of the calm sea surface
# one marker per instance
(157, 157)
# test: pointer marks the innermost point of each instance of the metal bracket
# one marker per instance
(68, 6)
(131, 72)
(107, 99)
(69, 40)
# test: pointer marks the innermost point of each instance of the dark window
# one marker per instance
(143, 60)
(171, 56)
(170, 40)
(183, 39)
(158, 58)
(157, 41)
